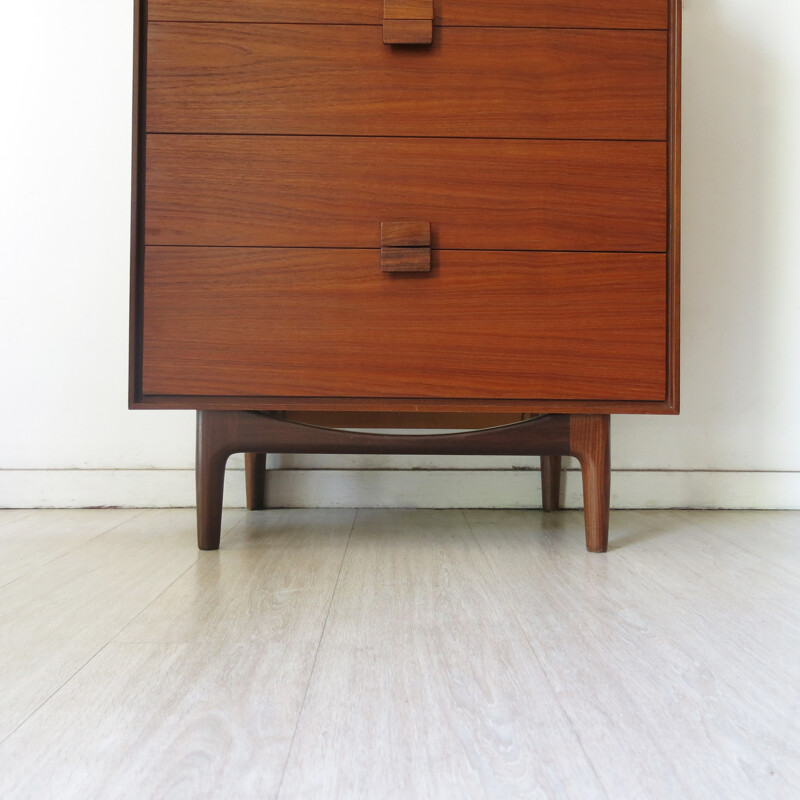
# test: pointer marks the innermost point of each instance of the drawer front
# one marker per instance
(342, 80)
(283, 191)
(317, 323)
(642, 14)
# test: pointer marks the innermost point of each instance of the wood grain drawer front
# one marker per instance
(512, 194)
(300, 322)
(331, 79)
(641, 14)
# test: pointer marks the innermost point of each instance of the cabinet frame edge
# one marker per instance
(674, 206)
(138, 163)
(138, 400)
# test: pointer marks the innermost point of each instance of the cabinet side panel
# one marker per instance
(138, 163)
(674, 214)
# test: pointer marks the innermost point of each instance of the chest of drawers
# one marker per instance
(406, 207)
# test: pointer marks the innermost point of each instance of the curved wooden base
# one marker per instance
(220, 434)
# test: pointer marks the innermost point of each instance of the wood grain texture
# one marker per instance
(408, 9)
(91, 593)
(308, 191)
(707, 697)
(210, 462)
(10, 516)
(407, 31)
(220, 434)
(674, 206)
(589, 443)
(138, 161)
(773, 536)
(170, 720)
(305, 79)
(255, 477)
(224, 673)
(495, 656)
(248, 588)
(551, 483)
(647, 14)
(405, 234)
(421, 419)
(400, 404)
(405, 259)
(533, 13)
(234, 431)
(30, 539)
(424, 681)
(329, 323)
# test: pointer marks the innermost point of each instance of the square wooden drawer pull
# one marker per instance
(406, 247)
(408, 21)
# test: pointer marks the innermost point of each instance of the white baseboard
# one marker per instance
(375, 488)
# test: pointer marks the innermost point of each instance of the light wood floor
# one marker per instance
(399, 654)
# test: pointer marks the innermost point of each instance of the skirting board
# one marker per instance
(376, 488)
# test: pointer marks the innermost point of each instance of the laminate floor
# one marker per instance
(399, 654)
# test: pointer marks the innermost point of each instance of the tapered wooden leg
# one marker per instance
(551, 482)
(589, 443)
(210, 477)
(255, 474)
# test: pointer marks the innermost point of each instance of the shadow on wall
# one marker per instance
(732, 269)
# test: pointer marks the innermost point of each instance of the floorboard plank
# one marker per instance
(666, 705)
(29, 538)
(8, 515)
(771, 535)
(236, 593)
(431, 654)
(199, 696)
(213, 719)
(422, 688)
(56, 617)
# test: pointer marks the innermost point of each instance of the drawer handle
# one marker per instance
(405, 247)
(407, 21)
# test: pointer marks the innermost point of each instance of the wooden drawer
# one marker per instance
(327, 323)
(342, 80)
(641, 14)
(512, 194)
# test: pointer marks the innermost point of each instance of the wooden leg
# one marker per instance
(589, 443)
(210, 477)
(551, 482)
(255, 475)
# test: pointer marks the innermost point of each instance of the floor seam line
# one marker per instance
(55, 692)
(133, 619)
(76, 547)
(166, 589)
(316, 655)
(687, 514)
(502, 585)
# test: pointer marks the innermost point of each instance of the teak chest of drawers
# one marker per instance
(350, 210)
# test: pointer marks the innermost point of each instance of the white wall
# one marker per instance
(67, 438)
